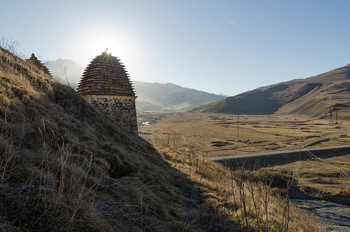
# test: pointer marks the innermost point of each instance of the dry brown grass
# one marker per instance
(212, 135)
(65, 167)
(254, 205)
(322, 178)
(216, 134)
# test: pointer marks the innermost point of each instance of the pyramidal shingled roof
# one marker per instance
(105, 75)
(34, 61)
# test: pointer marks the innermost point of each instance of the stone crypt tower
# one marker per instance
(106, 86)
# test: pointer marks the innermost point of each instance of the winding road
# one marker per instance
(282, 152)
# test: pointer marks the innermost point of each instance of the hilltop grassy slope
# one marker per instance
(311, 96)
(65, 167)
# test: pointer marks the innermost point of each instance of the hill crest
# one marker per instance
(151, 96)
(312, 96)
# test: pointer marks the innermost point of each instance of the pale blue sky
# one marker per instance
(219, 46)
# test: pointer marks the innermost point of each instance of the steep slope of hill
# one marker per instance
(312, 96)
(66, 167)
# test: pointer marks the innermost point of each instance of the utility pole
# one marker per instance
(330, 115)
(237, 128)
(336, 117)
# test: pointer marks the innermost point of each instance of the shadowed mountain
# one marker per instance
(151, 96)
(311, 96)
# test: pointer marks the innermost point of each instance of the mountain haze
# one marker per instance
(170, 97)
(151, 96)
(311, 96)
(62, 68)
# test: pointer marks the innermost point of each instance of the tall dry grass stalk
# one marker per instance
(251, 202)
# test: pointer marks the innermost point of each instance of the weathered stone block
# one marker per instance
(120, 109)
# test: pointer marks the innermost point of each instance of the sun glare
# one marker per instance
(100, 44)
(117, 44)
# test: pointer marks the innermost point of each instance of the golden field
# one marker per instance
(214, 135)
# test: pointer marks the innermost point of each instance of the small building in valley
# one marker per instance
(105, 84)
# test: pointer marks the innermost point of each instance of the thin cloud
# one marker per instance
(230, 22)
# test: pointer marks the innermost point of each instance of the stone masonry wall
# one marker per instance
(120, 109)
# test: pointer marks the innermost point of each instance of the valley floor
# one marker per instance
(213, 135)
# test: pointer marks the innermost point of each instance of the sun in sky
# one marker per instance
(117, 44)
(217, 46)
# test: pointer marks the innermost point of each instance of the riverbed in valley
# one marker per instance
(334, 217)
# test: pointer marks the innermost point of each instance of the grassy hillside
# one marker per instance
(311, 96)
(65, 167)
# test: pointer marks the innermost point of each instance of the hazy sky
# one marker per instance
(219, 46)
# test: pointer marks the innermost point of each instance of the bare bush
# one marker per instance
(12, 46)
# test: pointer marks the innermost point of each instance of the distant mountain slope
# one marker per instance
(312, 96)
(64, 67)
(171, 97)
(151, 96)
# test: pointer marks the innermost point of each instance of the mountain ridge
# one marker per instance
(63, 69)
(151, 96)
(312, 96)
(171, 97)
